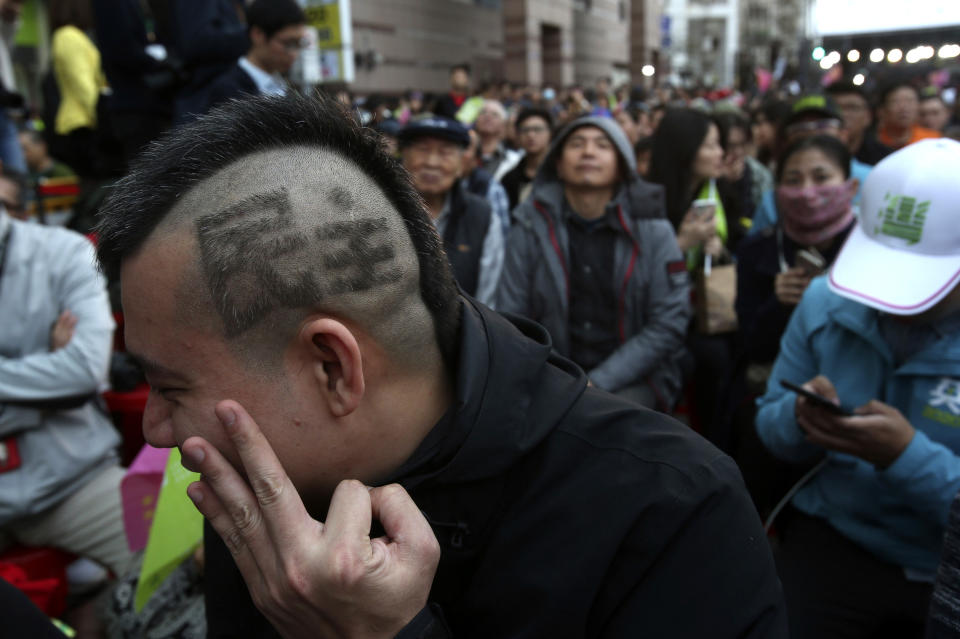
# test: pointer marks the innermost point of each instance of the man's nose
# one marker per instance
(157, 422)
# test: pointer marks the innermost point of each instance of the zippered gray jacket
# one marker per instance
(650, 277)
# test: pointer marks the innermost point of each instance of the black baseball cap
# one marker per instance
(816, 104)
(435, 127)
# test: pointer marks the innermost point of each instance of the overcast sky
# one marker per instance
(859, 16)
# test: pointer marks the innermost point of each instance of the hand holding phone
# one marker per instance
(811, 261)
(704, 209)
(818, 400)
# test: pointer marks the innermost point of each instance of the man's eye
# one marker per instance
(164, 391)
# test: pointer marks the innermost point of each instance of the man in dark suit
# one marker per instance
(276, 29)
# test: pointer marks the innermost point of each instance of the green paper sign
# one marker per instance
(176, 531)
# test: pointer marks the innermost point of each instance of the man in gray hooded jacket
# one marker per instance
(593, 258)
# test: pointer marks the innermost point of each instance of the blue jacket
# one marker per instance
(766, 214)
(898, 513)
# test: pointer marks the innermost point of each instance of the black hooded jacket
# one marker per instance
(564, 511)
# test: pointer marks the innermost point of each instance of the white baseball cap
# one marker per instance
(903, 256)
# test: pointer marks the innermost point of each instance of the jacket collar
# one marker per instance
(862, 321)
(944, 354)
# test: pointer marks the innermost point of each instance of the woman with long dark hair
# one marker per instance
(687, 160)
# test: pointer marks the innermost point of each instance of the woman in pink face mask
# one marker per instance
(814, 200)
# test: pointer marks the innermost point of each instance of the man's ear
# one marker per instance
(257, 36)
(336, 363)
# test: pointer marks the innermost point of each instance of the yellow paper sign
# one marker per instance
(326, 19)
(176, 531)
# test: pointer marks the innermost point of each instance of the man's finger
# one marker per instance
(822, 386)
(349, 518)
(403, 522)
(283, 510)
(240, 521)
(875, 407)
(820, 418)
(209, 505)
(830, 441)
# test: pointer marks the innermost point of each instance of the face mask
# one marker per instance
(814, 214)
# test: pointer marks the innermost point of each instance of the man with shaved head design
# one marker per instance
(379, 455)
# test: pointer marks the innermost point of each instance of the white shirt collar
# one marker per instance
(267, 83)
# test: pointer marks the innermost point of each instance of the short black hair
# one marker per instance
(643, 145)
(185, 156)
(635, 110)
(846, 87)
(729, 120)
(534, 112)
(896, 85)
(20, 180)
(271, 16)
(827, 144)
(774, 111)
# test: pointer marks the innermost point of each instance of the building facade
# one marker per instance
(701, 41)
(771, 33)
(403, 44)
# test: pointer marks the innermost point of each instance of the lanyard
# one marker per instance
(784, 267)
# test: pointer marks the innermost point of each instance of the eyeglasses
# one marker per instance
(532, 129)
(292, 45)
(852, 107)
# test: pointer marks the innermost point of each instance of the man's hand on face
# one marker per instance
(878, 433)
(313, 579)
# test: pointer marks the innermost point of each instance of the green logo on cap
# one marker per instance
(810, 102)
(904, 217)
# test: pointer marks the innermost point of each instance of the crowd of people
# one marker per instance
(485, 305)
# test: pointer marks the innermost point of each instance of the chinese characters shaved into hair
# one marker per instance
(256, 257)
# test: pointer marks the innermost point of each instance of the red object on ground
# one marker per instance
(127, 411)
(40, 573)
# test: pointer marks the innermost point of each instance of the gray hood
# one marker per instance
(641, 199)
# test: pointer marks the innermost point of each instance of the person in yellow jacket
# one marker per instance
(80, 79)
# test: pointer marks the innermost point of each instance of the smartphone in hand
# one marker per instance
(811, 261)
(819, 400)
(704, 209)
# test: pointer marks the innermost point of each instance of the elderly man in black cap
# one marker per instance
(432, 151)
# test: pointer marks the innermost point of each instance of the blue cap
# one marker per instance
(435, 127)
(390, 127)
